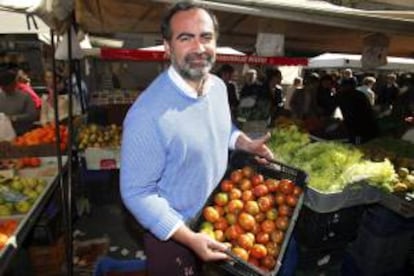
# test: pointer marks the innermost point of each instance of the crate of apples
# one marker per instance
(253, 211)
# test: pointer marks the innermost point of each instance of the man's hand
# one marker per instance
(204, 246)
(207, 248)
(255, 146)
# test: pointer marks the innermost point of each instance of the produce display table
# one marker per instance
(48, 171)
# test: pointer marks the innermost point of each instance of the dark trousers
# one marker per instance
(170, 258)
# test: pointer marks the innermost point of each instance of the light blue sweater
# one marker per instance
(174, 153)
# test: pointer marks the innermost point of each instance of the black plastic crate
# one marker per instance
(383, 222)
(380, 255)
(274, 169)
(327, 230)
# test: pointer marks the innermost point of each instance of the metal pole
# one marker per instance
(68, 235)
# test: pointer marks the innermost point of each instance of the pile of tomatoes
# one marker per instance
(7, 228)
(251, 213)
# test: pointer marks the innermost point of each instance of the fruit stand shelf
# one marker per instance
(27, 221)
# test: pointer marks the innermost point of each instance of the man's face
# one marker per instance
(192, 48)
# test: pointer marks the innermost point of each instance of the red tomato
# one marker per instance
(258, 251)
(272, 249)
(245, 241)
(284, 210)
(247, 171)
(235, 193)
(262, 237)
(211, 214)
(272, 184)
(253, 261)
(221, 224)
(226, 185)
(236, 176)
(246, 221)
(282, 223)
(286, 186)
(280, 199)
(268, 262)
(265, 203)
(247, 195)
(277, 236)
(260, 190)
(268, 226)
(297, 191)
(260, 217)
(291, 200)
(252, 207)
(245, 184)
(241, 253)
(233, 232)
(257, 179)
(235, 206)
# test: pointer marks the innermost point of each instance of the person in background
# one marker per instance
(302, 103)
(251, 85)
(325, 96)
(297, 84)
(366, 88)
(175, 145)
(17, 105)
(226, 73)
(272, 93)
(23, 84)
(388, 93)
(357, 112)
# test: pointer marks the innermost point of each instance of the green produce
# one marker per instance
(286, 141)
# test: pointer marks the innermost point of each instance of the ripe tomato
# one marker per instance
(272, 249)
(253, 261)
(265, 203)
(247, 171)
(241, 253)
(291, 200)
(235, 206)
(236, 176)
(247, 195)
(226, 185)
(268, 226)
(262, 237)
(268, 262)
(260, 190)
(271, 214)
(246, 221)
(284, 210)
(277, 236)
(231, 218)
(221, 224)
(297, 191)
(258, 251)
(272, 184)
(280, 199)
(282, 223)
(252, 207)
(286, 186)
(235, 193)
(221, 198)
(257, 179)
(211, 214)
(220, 210)
(219, 235)
(260, 217)
(245, 241)
(233, 232)
(245, 184)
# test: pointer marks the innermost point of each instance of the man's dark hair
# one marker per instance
(7, 77)
(183, 6)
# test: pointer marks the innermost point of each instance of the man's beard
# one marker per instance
(195, 66)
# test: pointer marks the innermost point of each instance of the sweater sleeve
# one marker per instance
(143, 157)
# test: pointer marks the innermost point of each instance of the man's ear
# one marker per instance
(167, 48)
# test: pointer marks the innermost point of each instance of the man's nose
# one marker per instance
(199, 46)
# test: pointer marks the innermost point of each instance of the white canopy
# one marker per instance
(19, 23)
(340, 60)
